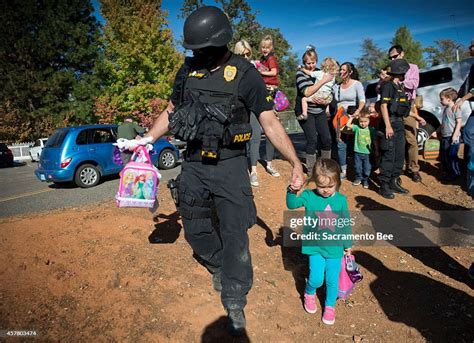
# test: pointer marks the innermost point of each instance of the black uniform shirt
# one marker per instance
(388, 91)
(252, 91)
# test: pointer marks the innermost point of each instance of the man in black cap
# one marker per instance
(395, 106)
(213, 95)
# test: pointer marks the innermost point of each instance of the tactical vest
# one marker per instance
(225, 138)
(399, 105)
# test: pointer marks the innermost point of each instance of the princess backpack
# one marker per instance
(350, 274)
(139, 181)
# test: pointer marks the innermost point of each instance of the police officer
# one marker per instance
(395, 106)
(213, 95)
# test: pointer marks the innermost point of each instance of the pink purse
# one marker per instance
(139, 181)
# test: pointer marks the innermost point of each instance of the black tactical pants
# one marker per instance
(392, 151)
(227, 184)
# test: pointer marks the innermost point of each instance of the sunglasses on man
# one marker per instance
(393, 56)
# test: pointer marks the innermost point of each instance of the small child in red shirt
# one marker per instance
(269, 69)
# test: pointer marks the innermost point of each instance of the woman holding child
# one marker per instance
(315, 123)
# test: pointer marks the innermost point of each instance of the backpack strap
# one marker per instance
(141, 149)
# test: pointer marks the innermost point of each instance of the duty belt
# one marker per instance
(193, 155)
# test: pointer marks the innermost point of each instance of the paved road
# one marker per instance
(21, 192)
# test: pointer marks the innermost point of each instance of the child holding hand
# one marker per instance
(330, 208)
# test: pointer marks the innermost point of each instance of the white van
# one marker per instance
(35, 150)
(432, 81)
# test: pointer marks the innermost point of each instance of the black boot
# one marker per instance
(236, 324)
(386, 192)
(396, 186)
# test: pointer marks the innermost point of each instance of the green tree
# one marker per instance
(48, 51)
(140, 61)
(445, 52)
(371, 61)
(413, 49)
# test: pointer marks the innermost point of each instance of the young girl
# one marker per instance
(329, 66)
(330, 208)
(268, 68)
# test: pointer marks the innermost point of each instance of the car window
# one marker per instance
(37, 143)
(82, 137)
(56, 139)
(102, 135)
(435, 77)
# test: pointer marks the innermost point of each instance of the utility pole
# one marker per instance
(457, 36)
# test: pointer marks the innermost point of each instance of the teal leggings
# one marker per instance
(318, 266)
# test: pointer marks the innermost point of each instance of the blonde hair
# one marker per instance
(330, 66)
(267, 39)
(449, 93)
(326, 168)
(241, 46)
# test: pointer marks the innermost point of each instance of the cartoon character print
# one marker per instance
(139, 185)
(364, 138)
(128, 183)
(149, 187)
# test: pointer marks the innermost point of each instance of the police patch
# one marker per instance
(229, 73)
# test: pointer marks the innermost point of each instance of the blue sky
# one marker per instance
(337, 28)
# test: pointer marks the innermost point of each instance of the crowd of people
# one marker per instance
(338, 121)
(219, 99)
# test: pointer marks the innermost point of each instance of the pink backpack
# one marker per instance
(139, 181)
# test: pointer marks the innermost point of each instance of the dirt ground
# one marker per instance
(99, 273)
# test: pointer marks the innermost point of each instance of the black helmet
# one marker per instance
(207, 26)
(398, 67)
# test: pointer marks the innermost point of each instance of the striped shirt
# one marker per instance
(302, 82)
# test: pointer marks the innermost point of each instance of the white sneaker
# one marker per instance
(253, 179)
(273, 171)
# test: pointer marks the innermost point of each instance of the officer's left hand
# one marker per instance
(297, 177)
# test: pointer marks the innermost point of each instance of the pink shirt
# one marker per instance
(411, 82)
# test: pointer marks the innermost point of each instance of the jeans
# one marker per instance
(255, 140)
(342, 152)
(318, 267)
(362, 166)
(316, 125)
(468, 137)
(449, 157)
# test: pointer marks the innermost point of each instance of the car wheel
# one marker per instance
(87, 176)
(167, 159)
(424, 133)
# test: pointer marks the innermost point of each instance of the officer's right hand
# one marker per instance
(388, 132)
